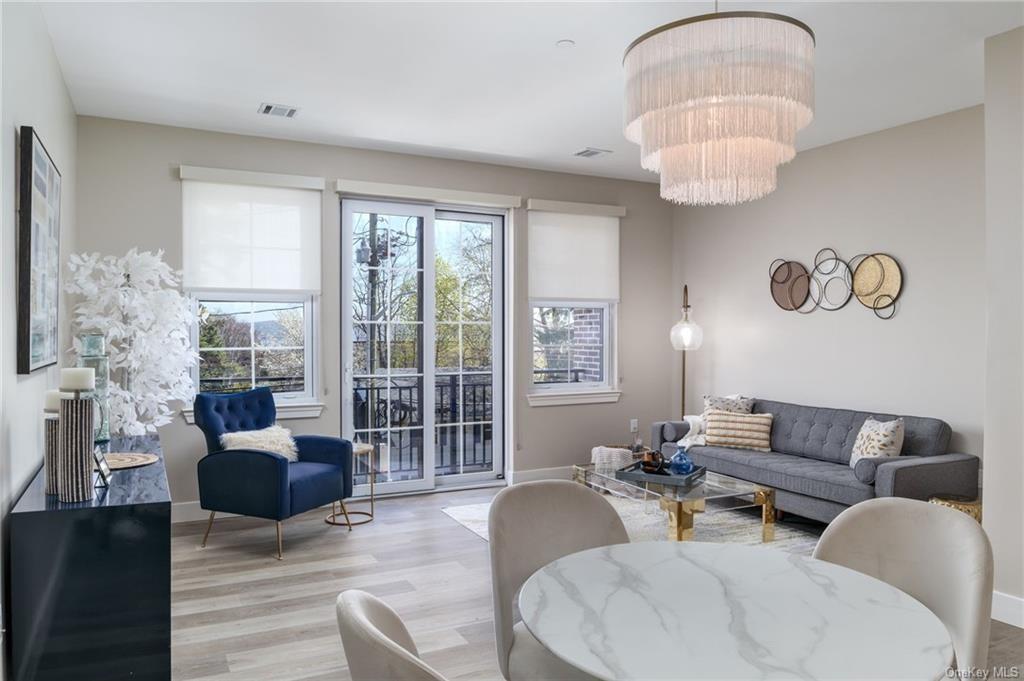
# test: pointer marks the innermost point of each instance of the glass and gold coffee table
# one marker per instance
(682, 505)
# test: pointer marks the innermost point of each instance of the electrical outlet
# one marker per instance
(634, 426)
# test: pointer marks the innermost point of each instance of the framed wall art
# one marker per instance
(38, 254)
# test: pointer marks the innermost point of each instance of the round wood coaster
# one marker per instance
(119, 460)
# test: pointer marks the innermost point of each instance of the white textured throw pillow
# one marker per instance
(273, 439)
(732, 403)
(877, 438)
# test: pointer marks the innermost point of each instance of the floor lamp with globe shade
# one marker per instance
(686, 335)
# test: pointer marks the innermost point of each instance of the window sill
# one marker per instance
(301, 410)
(558, 399)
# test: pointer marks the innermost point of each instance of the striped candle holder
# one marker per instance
(75, 459)
(52, 452)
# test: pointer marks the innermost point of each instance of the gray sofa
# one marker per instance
(809, 466)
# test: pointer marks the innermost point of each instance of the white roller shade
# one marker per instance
(573, 257)
(247, 237)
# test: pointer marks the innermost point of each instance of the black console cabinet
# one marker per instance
(90, 582)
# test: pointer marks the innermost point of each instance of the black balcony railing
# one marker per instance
(541, 376)
(397, 422)
(234, 384)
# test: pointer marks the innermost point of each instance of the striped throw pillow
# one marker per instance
(740, 431)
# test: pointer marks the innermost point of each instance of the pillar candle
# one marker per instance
(77, 379)
(53, 398)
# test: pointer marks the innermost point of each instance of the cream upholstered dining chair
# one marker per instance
(938, 555)
(530, 525)
(377, 644)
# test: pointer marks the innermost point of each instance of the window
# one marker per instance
(570, 345)
(249, 344)
(574, 288)
(252, 266)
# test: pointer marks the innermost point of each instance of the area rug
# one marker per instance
(646, 522)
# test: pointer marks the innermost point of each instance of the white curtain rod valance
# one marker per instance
(249, 177)
(431, 194)
(574, 208)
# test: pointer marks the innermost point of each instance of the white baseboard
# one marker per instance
(190, 511)
(1008, 608)
(556, 473)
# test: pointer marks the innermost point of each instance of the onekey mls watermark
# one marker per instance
(1004, 672)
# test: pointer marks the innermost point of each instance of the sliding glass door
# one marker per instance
(422, 342)
(468, 341)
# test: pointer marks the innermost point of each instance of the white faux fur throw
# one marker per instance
(694, 436)
(273, 439)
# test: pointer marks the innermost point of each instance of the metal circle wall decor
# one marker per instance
(789, 284)
(831, 280)
(877, 281)
(882, 303)
(874, 279)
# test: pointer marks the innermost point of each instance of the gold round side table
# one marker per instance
(971, 507)
(358, 449)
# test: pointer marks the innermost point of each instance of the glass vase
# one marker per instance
(94, 355)
(681, 463)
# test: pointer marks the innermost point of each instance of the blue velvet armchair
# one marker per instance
(265, 484)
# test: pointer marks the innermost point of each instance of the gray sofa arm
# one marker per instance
(927, 476)
(667, 431)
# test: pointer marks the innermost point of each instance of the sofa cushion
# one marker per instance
(731, 403)
(877, 439)
(829, 434)
(739, 431)
(822, 479)
(867, 469)
(313, 485)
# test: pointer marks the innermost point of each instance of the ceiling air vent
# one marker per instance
(591, 152)
(282, 110)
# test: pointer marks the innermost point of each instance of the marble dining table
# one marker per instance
(692, 610)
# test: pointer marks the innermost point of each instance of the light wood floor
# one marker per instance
(238, 613)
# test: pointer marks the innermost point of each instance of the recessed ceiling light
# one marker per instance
(565, 42)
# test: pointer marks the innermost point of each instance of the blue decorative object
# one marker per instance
(265, 484)
(681, 463)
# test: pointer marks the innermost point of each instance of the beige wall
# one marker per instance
(33, 94)
(130, 196)
(1004, 394)
(917, 192)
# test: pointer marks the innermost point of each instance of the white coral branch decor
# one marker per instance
(135, 302)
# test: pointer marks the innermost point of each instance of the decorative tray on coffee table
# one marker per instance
(634, 473)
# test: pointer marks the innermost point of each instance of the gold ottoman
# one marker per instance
(971, 507)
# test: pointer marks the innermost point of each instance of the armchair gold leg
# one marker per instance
(209, 526)
(280, 553)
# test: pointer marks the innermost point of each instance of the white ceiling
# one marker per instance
(485, 81)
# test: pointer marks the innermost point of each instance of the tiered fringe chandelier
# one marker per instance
(715, 102)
